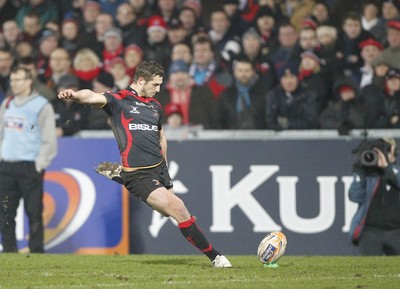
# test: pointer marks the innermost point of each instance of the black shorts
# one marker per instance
(144, 181)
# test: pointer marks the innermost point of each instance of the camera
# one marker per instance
(367, 156)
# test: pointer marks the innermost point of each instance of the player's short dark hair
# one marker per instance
(148, 70)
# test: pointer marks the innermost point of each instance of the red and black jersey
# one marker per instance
(136, 124)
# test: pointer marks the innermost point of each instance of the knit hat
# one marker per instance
(135, 48)
(45, 34)
(287, 68)
(105, 79)
(156, 22)
(117, 60)
(393, 72)
(370, 41)
(178, 66)
(311, 55)
(113, 32)
(251, 32)
(395, 24)
(345, 88)
(68, 81)
(174, 24)
(309, 22)
(265, 10)
(193, 4)
(172, 108)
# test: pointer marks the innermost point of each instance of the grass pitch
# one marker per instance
(160, 271)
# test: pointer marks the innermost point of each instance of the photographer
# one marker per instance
(375, 227)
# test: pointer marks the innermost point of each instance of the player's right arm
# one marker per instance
(85, 96)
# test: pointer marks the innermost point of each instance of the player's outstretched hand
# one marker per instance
(67, 94)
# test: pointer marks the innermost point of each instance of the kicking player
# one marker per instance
(136, 122)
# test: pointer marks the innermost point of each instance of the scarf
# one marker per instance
(200, 75)
(88, 75)
(243, 100)
(305, 73)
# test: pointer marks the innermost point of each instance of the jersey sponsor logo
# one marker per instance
(142, 126)
(134, 109)
(140, 103)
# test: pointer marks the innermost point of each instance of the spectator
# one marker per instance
(29, 63)
(391, 54)
(90, 12)
(113, 47)
(24, 46)
(266, 26)
(133, 31)
(391, 104)
(189, 21)
(32, 26)
(71, 38)
(6, 63)
(95, 40)
(290, 106)
(133, 56)
(344, 112)
(351, 37)
(181, 51)
(287, 37)
(11, 32)
(46, 9)
(86, 66)
(375, 226)
(232, 10)
(60, 65)
(311, 77)
(97, 118)
(118, 70)
(297, 10)
(371, 21)
(196, 102)
(224, 41)
(321, 14)
(390, 10)
(329, 51)
(8, 10)
(166, 9)
(370, 51)
(47, 43)
(176, 32)
(70, 116)
(372, 96)
(242, 106)
(254, 51)
(28, 145)
(142, 9)
(205, 70)
(157, 47)
(307, 42)
(174, 117)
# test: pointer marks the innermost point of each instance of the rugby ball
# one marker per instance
(272, 247)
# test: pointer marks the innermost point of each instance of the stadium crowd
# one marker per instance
(231, 64)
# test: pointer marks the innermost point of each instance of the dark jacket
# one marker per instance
(300, 109)
(200, 108)
(341, 114)
(252, 117)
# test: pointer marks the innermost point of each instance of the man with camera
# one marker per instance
(375, 227)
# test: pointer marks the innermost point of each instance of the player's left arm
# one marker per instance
(163, 143)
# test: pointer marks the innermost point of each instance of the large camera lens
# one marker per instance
(369, 158)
